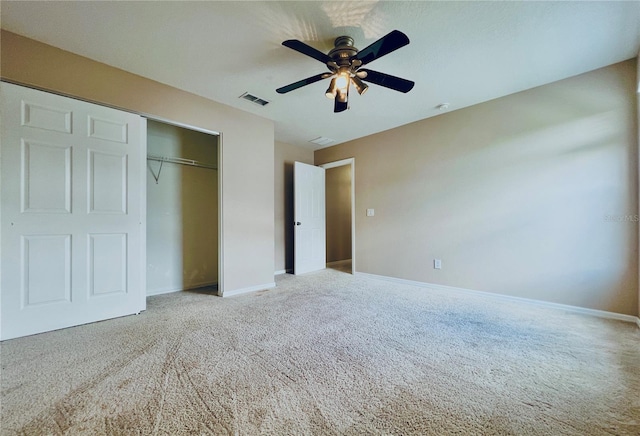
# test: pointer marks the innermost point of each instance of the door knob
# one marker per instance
(298, 223)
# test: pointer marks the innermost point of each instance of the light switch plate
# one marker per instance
(371, 212)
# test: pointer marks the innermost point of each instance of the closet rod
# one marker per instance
(181, 161)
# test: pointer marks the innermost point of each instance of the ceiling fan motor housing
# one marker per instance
(343, 51)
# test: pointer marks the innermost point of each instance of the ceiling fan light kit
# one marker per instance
(332, 90)
(344, 62)
(360, 86)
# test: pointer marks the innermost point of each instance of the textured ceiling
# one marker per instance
(461, 53)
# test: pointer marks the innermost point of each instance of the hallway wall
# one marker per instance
(338, 207)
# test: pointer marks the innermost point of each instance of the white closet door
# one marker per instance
(72, 212)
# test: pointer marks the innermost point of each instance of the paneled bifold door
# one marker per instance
(72, 212)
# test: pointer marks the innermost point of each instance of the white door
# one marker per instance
(309, 219)
(73, 212)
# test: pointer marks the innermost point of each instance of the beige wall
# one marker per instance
(182, 210)
(285, 156)
(520, 196)
(247, 143)
(338, 207)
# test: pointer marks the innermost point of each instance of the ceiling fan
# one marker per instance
(344, 62)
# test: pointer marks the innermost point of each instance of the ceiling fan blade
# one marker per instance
(305, 49)
(388, 81)
(303, 82)
(385, 45)
(340, 106)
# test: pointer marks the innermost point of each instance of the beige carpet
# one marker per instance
(327, 353)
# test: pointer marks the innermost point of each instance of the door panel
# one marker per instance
(73, 207)
(107, 264)
(46, 117)
(309, 213)
(110, 130)
(46, 178)
(107, 182)
(46, 269)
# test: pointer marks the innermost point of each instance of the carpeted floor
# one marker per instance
(327, 353)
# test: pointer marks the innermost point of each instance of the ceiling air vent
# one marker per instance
(322, 140)
(254, 99)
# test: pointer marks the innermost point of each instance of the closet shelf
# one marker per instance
(181, 161)
(176, 160)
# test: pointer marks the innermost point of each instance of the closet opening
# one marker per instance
(182, 209)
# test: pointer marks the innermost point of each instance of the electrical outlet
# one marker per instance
(371, 212)
(437, 263)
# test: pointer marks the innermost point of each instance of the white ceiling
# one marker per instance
(461, 53)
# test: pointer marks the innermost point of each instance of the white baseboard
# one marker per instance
(566, 307)
(283, 271)
(249, 289)
(162, 291)
(170, 290)
(338, 263)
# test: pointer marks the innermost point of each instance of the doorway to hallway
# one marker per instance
(340, 219)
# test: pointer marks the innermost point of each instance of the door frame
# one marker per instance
(352, 162)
